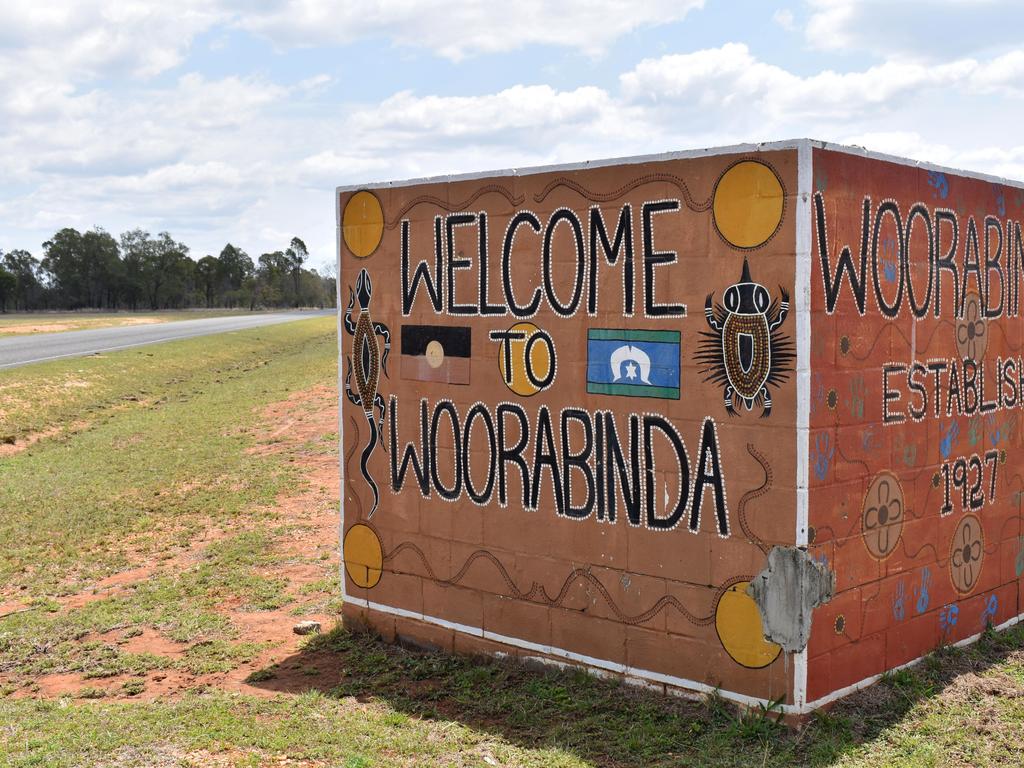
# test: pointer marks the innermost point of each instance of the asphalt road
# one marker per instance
(39, 347)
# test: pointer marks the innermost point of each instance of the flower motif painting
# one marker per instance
(966, 552)
(971, 340)
(882, 516)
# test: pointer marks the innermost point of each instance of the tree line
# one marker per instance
(95, 270)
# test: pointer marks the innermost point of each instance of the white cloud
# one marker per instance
(457, 30)
(1005, 73)
(924, 29)
(519, 107)
(83, 39)
(104, 126)
(784, 18)
(710, 81)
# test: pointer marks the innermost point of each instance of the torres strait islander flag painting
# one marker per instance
(436, 353)
(635, 363)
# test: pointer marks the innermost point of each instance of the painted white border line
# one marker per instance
(634, 674)
(687, 154)
(767, 146)
(341, 403)
(840, 693)
(802, 307)
(637, 675)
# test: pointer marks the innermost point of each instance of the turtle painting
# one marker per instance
(744, 350)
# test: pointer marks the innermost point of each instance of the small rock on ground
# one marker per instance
(306, 628)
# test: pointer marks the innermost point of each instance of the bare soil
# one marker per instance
(303, 556)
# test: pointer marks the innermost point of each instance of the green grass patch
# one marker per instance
(144, 473)
(398, 707)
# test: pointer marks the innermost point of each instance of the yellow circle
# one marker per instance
(362, 223)
(364, 556)
(541, 361)
(435, 354)
(748, 204)
(739, 627)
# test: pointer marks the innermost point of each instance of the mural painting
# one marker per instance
(552, 465)
(915, 296)
(626, 392)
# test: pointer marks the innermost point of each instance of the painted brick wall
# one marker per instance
(547, 347)
(787, 345)
(915, 396)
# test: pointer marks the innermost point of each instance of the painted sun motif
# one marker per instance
(513, 370)
(364, 556)
(748, 204)
(882, 515)
(362, 224)
(739, 627)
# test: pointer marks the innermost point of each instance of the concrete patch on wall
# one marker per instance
(787, 592)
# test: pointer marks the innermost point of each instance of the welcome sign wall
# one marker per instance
(582, 406)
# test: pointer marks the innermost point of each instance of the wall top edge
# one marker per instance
(768, 146)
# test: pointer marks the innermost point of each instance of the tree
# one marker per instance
(8, 285)
(206, 274)
(162, 264)
(271, 276)
(101, 268)
(28, 289)
(93, 269)
(63, 260)
(85, 267)
(296, 256)
(234, 267)
(136, 249)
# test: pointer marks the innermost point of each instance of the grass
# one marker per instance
(162, 455)
(24, 323)
(159, 452)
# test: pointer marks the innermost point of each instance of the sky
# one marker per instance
(231, 121)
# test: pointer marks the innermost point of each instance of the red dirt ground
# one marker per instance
(304, 556)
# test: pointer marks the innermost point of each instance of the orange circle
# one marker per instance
(364, 556)
(362, 223)
(748, 204)
(542, 361)
(740, 630)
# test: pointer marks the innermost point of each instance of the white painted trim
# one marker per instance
(636, 675)
(868, 154)
(632, 674)
(341, 403)
(768, 146)
(688, 154)
(841, 692)
(802, 309)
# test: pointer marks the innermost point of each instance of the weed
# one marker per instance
(134, 687)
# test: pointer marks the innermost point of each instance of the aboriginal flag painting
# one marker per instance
(436, 353)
